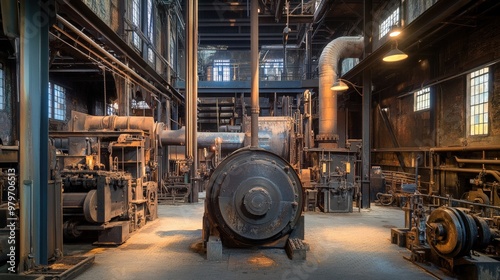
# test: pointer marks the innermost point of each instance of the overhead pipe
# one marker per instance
(80, 34)
(117, 43)
(230, 140)
(119, 122)
(254, 50)
(455, 149)
(465, 149)
(342, 47)
(477, 161)
(494, 173)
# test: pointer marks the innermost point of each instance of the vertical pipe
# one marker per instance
(168, 113)
(308, 58)
(194, 125)
(175, 115)
(105, 97)
(169, 50)
(341, 47)
(254, 50)
(366, 110)
(188, 93)
(192, 93)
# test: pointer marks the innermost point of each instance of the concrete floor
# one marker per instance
(342, 246)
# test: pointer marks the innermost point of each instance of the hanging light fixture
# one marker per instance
(394, 54)
(341, 85)
(395, 31)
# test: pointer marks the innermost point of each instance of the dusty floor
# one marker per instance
(342, 246)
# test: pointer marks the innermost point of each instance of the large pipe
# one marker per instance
(465, 148)
(116, 61)
(477, 161)
(254, 50)
(342, 47)
(231, 141)
(119, 122)
(494, 173)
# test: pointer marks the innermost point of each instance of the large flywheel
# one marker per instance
(254, 197)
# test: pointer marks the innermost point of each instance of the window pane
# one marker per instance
(57, 102)
(385, 26)
(422, 99)
(479, 102)
(2, 89)
(136, 20)
(222, 70)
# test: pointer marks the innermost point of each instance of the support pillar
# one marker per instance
(366, 110)
(35, 19)
(192, 94)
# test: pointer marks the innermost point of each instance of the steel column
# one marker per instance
(366, 110)
(33, 149)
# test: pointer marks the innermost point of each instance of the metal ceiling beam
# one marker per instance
(263, 19)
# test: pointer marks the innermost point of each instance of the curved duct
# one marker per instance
(342, 47)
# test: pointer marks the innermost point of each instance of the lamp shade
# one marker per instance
(395, 31)
(394, 55)
(339, 86)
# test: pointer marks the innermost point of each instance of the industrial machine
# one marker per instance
(336, 179)
(109, 173)
(254, 199)
(453, 235)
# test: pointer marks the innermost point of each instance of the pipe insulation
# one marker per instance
(342, 47)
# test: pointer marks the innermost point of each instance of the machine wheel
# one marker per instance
(385, 199)
(483, 233)
(90, 207)
(446, 232)
(254, 197)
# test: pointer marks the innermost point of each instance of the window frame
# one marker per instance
(273, 67)
(3, 99)
(136, 18)
(150, 30)
(393, 18)
(483, 114)
(224, 66)
(57, 102)
(424, 103)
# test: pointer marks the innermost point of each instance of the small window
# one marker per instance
(140, 104)
(385, 26)
(57, 102)
(2, 88)
(222, 70)
(112, 109)
(150, 30)
(478, 82)
(422, 99)
(136, 21)
(272, 68)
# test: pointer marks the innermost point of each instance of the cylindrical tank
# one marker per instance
(253, 198)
